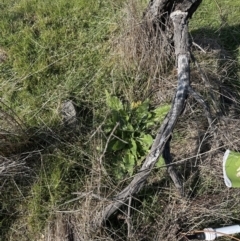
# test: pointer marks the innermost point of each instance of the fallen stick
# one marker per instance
(180, 23)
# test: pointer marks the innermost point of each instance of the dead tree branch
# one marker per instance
(158, 11)
(171, 169)
(180, 23)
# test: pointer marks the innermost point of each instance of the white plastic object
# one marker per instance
(226, 179)
(212, 234)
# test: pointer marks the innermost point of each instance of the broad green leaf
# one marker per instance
(108, 128)
(160, 162)
(115, 117)
(149, 124)
(129, 162)
(128, 127)
(129, 159)
(123, 165)
(161, 112)
(133, 148)
(146, 140)
(124, 115)
(142, 110)
(119, 171)
(118, 145)
(113, 102)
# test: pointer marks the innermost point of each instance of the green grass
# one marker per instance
(218, 19)
(55, 51)
(59, 176)
(60, 50)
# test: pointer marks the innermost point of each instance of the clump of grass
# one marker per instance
(146, 55)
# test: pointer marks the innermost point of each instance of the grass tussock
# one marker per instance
(145, 52)
(56, 178)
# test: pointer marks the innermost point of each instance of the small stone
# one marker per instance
(69, 114)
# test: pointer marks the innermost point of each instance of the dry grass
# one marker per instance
(12, 137)
(145, 53)
(208, 202)
(159, 213)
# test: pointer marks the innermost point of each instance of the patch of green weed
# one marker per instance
(129, 127)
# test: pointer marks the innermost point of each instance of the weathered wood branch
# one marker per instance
(157, 8)
(180, 23)
(171, 169)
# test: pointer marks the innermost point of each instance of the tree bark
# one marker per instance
(160, 10)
